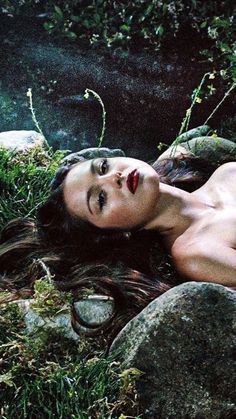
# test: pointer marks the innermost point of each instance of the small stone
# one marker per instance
(59, 323)
(95, 309)
(91, 312)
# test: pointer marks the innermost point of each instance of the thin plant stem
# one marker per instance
(220, 103)
(33, 209)
(46, 270)
(186, 120)
(29, 95)
(99, 99)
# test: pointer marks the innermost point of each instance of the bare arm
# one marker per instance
(207, 262)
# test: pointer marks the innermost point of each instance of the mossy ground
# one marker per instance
(45, 375)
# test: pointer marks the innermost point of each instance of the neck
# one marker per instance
(176, 210)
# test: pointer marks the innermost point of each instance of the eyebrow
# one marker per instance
(91, 189)
(89, 193)
(92, 167)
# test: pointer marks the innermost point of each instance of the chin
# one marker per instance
(154, 179)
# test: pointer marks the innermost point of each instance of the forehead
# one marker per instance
(75, 187)
(77, 171)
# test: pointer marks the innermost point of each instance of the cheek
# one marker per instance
(127, 216)
(120, 216)
(132, 211)
(118, 213)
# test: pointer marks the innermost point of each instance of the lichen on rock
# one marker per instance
(184, 342)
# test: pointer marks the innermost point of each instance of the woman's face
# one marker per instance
(113, 193)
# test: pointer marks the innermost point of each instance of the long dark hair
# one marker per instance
(80, 256)
(22, 257)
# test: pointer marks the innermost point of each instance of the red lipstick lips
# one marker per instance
(132, 181)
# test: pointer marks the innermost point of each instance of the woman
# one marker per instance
(122, 194)
(106, 210)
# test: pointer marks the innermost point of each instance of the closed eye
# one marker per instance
(103, 167)
(102, 199)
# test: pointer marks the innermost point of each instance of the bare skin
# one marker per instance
(199, 228)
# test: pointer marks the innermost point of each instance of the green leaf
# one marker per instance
(129, 19)
(146, 13)
(221, 23)
(59, 12)
(97, 18)
(71, 35)
(49, 302)
(86, 24)
(6, 379)
(232, 58)
(49, 26)
(203, 24)
(159, 30)
(125, 28)
(75, 19)
(164, 9)
(149, 10)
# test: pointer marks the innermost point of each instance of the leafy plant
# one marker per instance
(148, 24)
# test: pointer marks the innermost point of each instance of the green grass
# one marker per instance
(45, 375)
(24, 182)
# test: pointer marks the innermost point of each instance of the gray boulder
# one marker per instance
(212, 149)
(185, 343)
(21, 140)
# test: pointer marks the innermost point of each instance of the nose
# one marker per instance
(114, 179)
(118, 179)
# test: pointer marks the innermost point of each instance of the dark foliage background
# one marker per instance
(141, 24)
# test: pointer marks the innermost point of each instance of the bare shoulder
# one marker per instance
(188, 255)
(205, 261)
(227, 169)
(184, 250)
(220, 188)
